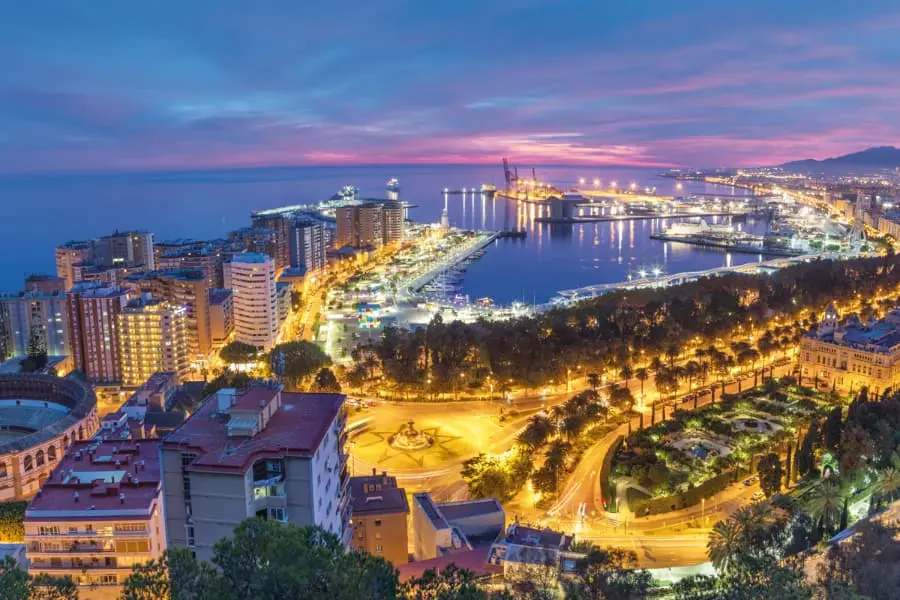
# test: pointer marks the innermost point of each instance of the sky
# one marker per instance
(105, 85)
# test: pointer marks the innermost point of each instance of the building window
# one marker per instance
(29, 463)
(377, 522)
(191, 538)
(278, 514)
(378, 548)
(377, 535)
(39, 458)
(51, 453)
(108, 580)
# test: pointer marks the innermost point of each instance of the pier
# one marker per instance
(565, 297)
(480, 241)
(639, 217)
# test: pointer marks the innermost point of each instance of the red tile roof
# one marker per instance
(473, 560)
(297, 427)
(113, 479)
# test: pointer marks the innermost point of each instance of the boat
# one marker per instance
(701, 227)
(393, 185)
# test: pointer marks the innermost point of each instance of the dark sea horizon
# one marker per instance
(46, 210)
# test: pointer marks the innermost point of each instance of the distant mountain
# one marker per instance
(882, 157)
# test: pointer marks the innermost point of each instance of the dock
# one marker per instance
(640, 217)
(479, 242)
(723, 245)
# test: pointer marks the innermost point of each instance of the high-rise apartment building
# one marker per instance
(152, 337)
(369, 224)
(280, 224)
(188, 288)
(203, 256)
(251, 277)
(307, 245)
(70, 254)
(34, 314)
(392, 222)
(256, 452)
(125, 248)
(379, 512)
(98, 514)
(93, 311)
(221, 315)
(47, 284)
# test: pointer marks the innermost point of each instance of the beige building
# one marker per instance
(42, 416)
(188, 288)
(454, 527)
(379, 516)
(256, 452)
(69, 255)
(850, 355)
(152, 337)
(369, 224)
(99, 514)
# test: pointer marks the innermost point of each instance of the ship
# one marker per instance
(699, 228)
(393, 185)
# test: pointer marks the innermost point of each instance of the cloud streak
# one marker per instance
(110, 86)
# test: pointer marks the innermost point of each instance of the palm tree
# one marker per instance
(642, 375)
(725, 545)
(887, 484)
(626, 373)
(825, 503)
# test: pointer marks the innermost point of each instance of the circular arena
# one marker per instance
(40, 417)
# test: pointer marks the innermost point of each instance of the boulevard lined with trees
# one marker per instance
(620, 333)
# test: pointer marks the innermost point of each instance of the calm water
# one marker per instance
(41, 213)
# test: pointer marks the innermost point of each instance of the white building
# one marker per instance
(251, 277)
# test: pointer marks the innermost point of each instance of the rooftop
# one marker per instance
(94, 289)
(219, 295)
(531, 536)
(431, 511)
(251, 257)
(99, 480)
(474, 560)
(377, 494)
(296, 426)
(453, 511)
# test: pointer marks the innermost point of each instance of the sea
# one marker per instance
(41, 212)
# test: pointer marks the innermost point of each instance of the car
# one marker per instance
(749, 481)
(758, 496)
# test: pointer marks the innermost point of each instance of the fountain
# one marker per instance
(410, 438)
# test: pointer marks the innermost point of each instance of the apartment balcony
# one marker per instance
(74, 547)
(267, 502)
(85, 565)
(105, 533)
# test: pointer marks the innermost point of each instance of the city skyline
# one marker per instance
(97, 88)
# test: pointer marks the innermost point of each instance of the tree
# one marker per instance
(806, 453)
(301, 359)
(227, 379)
(608, 575)
(16, 584)
(326, 382)
(642, 375)
(12, 519)
(48, 587)
(856, 448)
(867, 565)
(824, 504)
(770, 474)
(450, 583)
(239, 353)
(831, 429)
(267, 560)
(537, 432)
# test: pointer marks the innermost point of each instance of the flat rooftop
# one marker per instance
(296, 427)
(453, 511)
(376, 495)
(99, 480)
(251, 257)
(219, 296)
